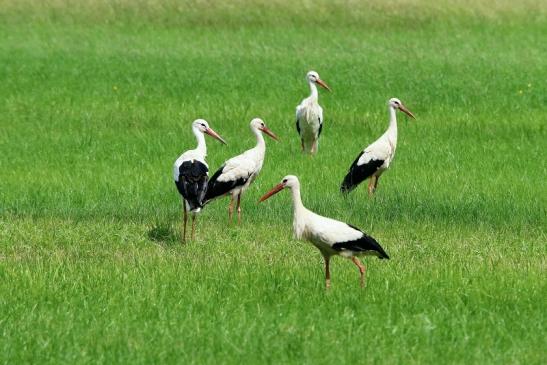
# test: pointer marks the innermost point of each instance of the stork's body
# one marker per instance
(377, 157)
(237, 174)
(330, 236)
(190, 172)
(309, 115)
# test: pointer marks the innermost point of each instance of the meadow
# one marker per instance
(96, 102)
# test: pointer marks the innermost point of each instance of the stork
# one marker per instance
(309, 115)
(377, 157)
(191, 172)
(237, 174)
(330, 236)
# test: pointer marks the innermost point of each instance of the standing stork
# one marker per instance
(377, 157)
(309, 115)
(237, 174)
(191, 172)
(330, 236)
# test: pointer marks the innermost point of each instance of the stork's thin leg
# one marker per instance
(193, 226)
(184, 220)
(231, 209)
(238, 208)
(313, 147)
(362, 270)
(302, 144)
(327, 272)
(372, 185)
(376, 182)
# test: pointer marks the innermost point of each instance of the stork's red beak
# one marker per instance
(406, 111)
(215, 135)
(322, 84)
(269, 133)
(276, 189)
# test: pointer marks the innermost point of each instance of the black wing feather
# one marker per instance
(358, 173)
(217, 188)
(363, 244)
(320, 128)
(192, 182)
(297, 126)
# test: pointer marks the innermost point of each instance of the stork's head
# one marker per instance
(202, 126)
(258, 124)
(313, 77)
(397, 104)
(289, 181)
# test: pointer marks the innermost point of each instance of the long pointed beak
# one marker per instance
(406, 111)
(269, 133)
(322, 84)
(215, 135)
(276, 189)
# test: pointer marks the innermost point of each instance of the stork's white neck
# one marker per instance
(392, 129)
(201, 147)
(299, 209)
(313, 88)
(260, 143)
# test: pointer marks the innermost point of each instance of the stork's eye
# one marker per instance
(284, 181)
(203, 125)
(262, 124)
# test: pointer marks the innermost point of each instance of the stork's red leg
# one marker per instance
(376, 182)
(238, 208)
(371, 185)
(185, 219)
(362, 269)
(193, 226)
(231, 209)
(302, 143)
(327, 272)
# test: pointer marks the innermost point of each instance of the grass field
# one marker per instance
(96, 101)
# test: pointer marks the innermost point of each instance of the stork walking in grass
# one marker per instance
(191, 172)
(309, 115)
(330, 236)
(377, 157)
(237, 174)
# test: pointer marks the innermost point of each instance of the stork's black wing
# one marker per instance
(216, 188)
(365, 244)
(320, 127)
(358, 173)
(192, 182)
(297, 126)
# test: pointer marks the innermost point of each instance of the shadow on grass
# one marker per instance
(163, 233)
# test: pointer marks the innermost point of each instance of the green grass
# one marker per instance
(96, 102)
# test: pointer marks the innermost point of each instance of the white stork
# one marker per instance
(236, 174)
(191, 172)
(330, 236)
(309, 115)
(377, 157)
